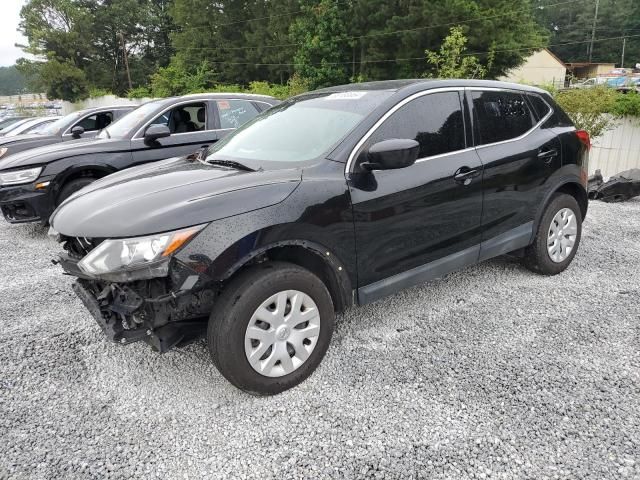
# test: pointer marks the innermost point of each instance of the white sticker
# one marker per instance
(346, 96)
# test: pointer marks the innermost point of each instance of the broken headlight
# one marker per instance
(127, 259)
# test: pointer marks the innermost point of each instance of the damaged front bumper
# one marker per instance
(149, 310)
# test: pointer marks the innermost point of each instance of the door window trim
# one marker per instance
(394, 109)
(520, 92)
(140, 132)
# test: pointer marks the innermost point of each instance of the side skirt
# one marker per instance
(415, 276)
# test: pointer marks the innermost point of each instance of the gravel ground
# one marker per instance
(492, 372)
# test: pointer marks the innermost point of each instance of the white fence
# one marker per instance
(618, 149)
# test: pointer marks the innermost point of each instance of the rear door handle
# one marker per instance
(465, 175)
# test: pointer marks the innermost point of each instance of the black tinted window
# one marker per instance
(434, 121)
(540, 107)
(501, 116)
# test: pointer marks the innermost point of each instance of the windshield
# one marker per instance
(298, 130)
(56, 127)
(131, 121)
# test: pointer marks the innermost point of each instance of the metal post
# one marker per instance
(593, 31)
(624, 46)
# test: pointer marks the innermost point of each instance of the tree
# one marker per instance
(571, 29)
(11, 81)
(452, 62)
(64, 81)
(322, 57)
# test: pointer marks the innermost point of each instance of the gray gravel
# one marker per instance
(492, 372)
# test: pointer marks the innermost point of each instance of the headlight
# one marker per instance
(18, 177)
(3, 150)
(147, 256)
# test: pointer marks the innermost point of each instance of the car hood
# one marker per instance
(169, 195)
(71, 148)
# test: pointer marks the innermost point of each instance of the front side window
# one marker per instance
(501, 116)
(235, 113)
(187, 118)
(94, 122)
(435, 121)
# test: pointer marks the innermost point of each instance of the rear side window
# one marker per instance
(501, 116)
(235, 113)
(435, 121)
(540, 107)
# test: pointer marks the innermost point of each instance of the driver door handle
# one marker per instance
(465, 175)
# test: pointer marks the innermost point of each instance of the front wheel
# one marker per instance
(271, 328)
(557, 238)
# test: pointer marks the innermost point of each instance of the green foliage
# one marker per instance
(88, 36)
(139, 92)
(11, 81)
(177, 80)
(321, 33)
(591, 109)
(627, 105)
(65, 81)
(570, 26)
(452, 61)
(99, 92)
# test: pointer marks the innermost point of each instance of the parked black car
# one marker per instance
(335, 197)
(34, 182)
(81, 124)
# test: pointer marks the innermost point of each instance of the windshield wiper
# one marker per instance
(230, 164)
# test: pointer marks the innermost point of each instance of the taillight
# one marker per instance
(584, 137)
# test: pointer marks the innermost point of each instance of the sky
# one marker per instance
(9, 19)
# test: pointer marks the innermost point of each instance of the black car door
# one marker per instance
(518, 156)
(91, 124)
(419, 222)
(192, 127)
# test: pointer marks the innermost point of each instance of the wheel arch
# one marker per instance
(93, 170)
(312, 256)
(570, 187)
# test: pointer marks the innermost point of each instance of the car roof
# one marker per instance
(423, 84)
(222, 95)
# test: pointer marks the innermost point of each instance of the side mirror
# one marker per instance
(154, 132)
(77, 131)
(392, 154)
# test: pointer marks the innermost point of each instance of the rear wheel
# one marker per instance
(271, 328)
(557, 238)
(72, 187)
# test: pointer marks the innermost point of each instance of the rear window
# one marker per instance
(540, 107)
(501, 116)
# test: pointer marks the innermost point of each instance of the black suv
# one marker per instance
(34, 182)
(335, 197)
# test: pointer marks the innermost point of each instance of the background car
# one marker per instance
(29, 125)
(34, 182)
(81, 124)
(8, 121)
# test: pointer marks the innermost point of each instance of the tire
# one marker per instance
(72, 187)
(231, 342)
(538, 257)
